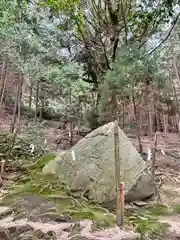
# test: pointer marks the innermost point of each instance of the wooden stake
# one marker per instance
(122, 187)
(117, 172)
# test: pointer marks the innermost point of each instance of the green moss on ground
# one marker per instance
(34, 182)
(176, 208)
(145, 221)
(50, 187)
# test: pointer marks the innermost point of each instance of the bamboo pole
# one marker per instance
(119, 186)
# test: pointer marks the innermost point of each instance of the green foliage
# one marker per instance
(70, 8)
(60, 5)
(92, 118)
(18, 148)
(145, 221)
(9, 11)
(33, 48)
(129, 73)
(33, 43)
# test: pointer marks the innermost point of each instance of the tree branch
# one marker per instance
(125, 23)
(167, 36)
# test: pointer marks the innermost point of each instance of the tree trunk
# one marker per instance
(165, 121)
(175, 98)
(158, 121)
(4, 82)
(97, 102)
(41, 110)
(19, 102)
(137, 125)
(2, 69)
(12, 127)
(123, 115)
(37, 102)
(30, 97)
(150, 113)
(176, 70)
(41, 99)
(176, 102)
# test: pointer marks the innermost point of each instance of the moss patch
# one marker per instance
(145, 220)
(176, 208)
(56, 191)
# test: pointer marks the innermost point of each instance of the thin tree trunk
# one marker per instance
(19, 102)
(150, 114)
(4, 82)
(37, 102)
(158, 123)
(41, 110)
(123, 115)
(30, 97)
(41, 99)
(156, 111)
(2, 74)
(12, 127)
(97, 102)
(137, 125)
(175, 98)
(176, 102)
(3, 67)
(165, 121)
(176, 70)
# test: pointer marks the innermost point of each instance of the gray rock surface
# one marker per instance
(89, 166)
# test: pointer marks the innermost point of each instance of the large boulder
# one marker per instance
(89, 166)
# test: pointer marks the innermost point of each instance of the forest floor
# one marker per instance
(167, 166)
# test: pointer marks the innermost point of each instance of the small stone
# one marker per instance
(4, 234)
(140, 203)
(19, 215)
(130, 206)
(40, 234)
(4, 211)
(51, 234)
(12, 229)
(56, 217)
(25, 228)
